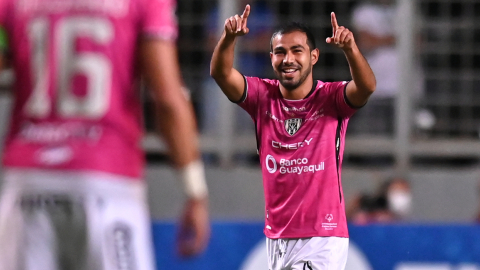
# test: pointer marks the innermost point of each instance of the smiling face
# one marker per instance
(292, 59)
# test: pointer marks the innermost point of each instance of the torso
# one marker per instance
(301, 164)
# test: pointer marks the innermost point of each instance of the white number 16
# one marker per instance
(94, 66)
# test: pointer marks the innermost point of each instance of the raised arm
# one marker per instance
(176, 123)
(228, 78)
(363, 84)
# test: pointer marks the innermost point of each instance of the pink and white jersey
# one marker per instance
(76, 104)
(300, 144)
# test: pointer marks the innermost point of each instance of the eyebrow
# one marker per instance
(292, 48)
(297, 47)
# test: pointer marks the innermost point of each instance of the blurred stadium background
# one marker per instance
(441, 161)
(440, 158)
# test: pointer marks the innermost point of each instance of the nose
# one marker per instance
(289, 58)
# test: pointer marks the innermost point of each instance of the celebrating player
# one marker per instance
(74, 197)
(300, 125)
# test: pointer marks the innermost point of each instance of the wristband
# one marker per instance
(193, 178)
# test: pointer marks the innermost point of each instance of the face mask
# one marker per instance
(400, 202)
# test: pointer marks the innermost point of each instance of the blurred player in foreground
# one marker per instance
(74, 196)
(301, 125)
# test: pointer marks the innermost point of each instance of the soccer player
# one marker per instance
(300, 124)
(74, 196)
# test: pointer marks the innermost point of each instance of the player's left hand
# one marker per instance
(194, 232)
(341, 36)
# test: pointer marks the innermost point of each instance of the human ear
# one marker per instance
(314, 54)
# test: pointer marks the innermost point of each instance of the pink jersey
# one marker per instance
(300, 144)
(76, 104)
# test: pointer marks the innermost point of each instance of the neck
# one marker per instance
(298, 93)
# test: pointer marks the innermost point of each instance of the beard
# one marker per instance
(291, 84)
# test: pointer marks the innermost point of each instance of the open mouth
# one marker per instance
(289, 72)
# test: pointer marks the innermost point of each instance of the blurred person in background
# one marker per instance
(252, 59)
(374, 22)
(359, 209)
(391, 203)
(74, 195)
(398, 193)
(368, 209)
(300, 129)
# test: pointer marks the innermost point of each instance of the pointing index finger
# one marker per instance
(246, 12)
(334, 22)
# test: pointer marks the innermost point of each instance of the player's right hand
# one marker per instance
(237, 25)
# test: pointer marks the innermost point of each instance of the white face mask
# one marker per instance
(400, 202)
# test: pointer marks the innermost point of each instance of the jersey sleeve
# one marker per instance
(250, 99)
(159, 19)
(338, 91)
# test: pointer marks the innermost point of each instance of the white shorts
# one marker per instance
(316, 253)
(52, 220)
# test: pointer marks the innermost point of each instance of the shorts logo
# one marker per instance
(271, 159)
(293, 125)
(122, 238)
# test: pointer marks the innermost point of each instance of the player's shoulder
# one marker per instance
(271, 83)
(263, 89)
(262, 82)
(332, 85)
(331, 88)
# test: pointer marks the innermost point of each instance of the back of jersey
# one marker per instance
(76, 105)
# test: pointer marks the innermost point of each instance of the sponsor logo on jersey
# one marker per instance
(61, 132)
(291, 111)
(328, 226)
(273, 117)
(294, 109)
(52, 156)
(116, 7)
(271, 161)
(291, 146)
(315, 116)
(293, 125)
(296, 166)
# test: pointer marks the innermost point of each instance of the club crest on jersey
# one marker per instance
(293, 125)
